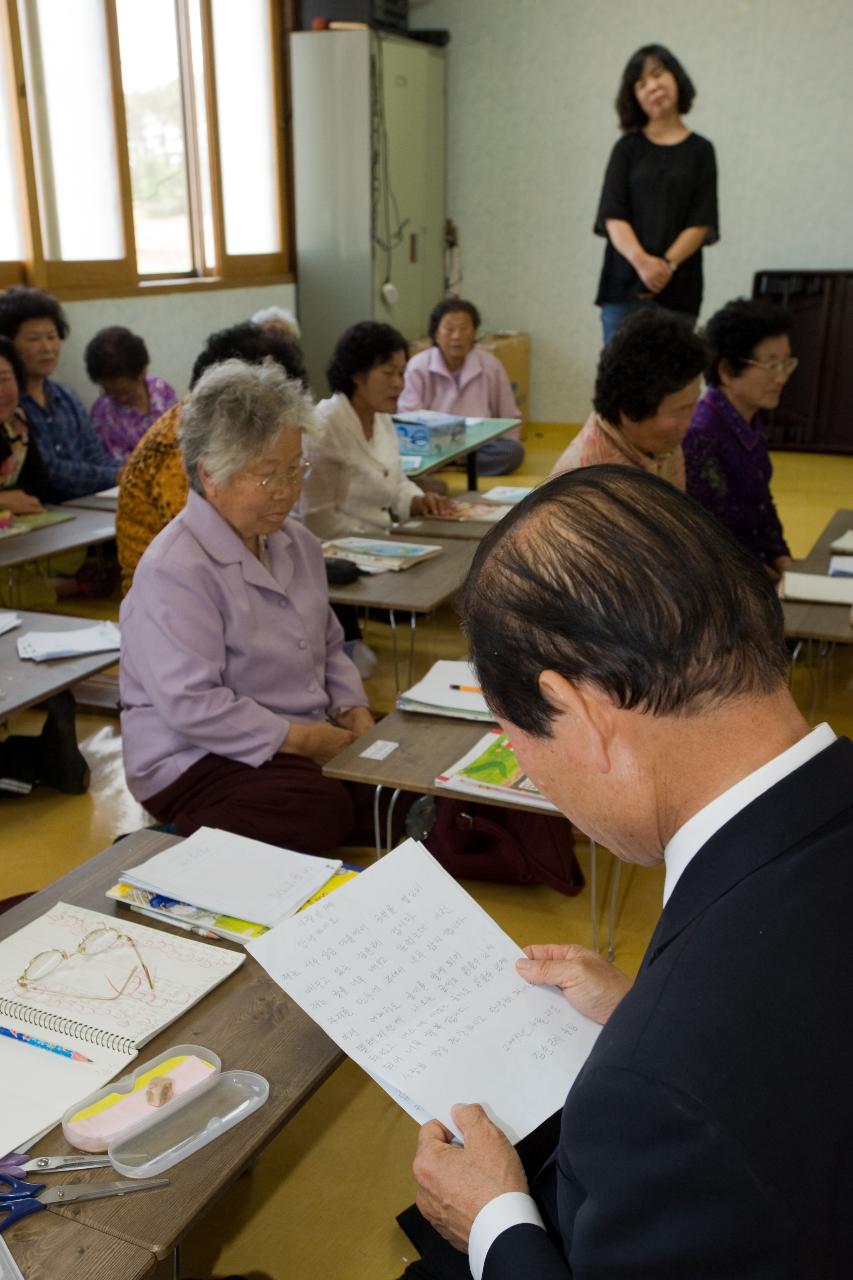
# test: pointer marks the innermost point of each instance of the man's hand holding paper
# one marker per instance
(590, 983)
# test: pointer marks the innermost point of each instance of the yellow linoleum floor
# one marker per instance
(321, 1201)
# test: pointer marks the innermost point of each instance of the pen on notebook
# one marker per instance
(44, 1044)
(466, 688)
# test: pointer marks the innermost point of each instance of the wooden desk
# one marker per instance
(247, 1020)
(23, 683)
(427, 745)
(95, 502)
(84, 529)
(827, 623)
(429, 527)
(488, 429)
(420, 589)
(52, 1244)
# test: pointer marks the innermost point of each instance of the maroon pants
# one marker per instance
(285, 801)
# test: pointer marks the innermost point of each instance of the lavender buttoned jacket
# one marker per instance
(219, 655)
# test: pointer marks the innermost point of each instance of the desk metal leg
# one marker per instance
(593, 894)
(413, 625)
(611, 915)
(377, 825)
(392, 619)
(389, 830)
(471, 465)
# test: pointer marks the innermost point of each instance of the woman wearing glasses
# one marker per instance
(235, 688)
(726, 458)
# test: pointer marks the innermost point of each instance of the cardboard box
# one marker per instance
(513, 350)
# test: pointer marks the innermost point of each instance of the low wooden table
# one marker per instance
(84, 529)
(419, 590)
(23, 682)
(248, 1021)
(95, 502)
(829, 624)
(427, 745)
(485, 430)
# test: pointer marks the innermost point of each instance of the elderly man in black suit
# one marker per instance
(635, 654)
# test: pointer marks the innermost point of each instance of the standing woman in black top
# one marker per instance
(659, 202)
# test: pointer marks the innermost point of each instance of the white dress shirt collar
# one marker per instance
(697, 831)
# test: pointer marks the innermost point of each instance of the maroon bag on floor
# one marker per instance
(486, 842)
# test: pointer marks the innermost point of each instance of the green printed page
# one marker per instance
(39, 520)
(498, 767)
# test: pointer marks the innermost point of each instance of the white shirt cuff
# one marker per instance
(508, 1210)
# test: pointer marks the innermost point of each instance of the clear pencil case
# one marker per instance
(164, 1110)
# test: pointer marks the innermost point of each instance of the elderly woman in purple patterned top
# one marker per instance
(726, 457)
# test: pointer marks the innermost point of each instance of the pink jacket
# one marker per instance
(480, 389)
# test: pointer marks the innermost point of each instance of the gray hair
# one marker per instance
(282, 315)
(236, 411)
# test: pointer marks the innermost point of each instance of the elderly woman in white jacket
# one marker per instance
(357, 485)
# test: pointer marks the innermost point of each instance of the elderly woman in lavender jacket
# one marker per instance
(234, 684)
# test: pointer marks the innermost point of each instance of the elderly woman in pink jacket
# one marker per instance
(454, 376)
(235, 687)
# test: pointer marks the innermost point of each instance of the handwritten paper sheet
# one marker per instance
(417, 984)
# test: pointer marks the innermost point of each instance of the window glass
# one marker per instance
(247, 119)
(74, 127)
(12, 246)
(151, 79)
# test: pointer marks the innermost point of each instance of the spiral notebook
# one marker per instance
(38, 1085)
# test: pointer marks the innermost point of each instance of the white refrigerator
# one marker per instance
(369, 177)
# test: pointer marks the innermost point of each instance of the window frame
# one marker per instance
(75, 279)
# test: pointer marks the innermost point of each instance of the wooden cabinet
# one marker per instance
(816, 410)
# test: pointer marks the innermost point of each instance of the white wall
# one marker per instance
(174, 327)
(531, 85)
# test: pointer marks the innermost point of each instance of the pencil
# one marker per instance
(466, 688)
(44, 1044)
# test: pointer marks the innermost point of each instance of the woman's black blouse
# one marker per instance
(660, 191)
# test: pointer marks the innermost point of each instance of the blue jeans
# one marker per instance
(614, 313)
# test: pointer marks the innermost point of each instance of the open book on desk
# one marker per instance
(417, 984)
(377, 555)
(72, 1007)
(490, 771)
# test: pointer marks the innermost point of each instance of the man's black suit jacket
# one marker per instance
(710, 1133)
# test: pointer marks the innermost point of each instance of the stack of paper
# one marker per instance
(246, 880)
(407, 973)
(207, 924)
(8, 621)
(490, 771)
(507, 493)
(448, 689)
(844, 543)
(818, 588)
(841, 567)
(376, 555)
(43, 645)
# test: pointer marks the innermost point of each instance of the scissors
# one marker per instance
(22, 1198)
(20, 1162)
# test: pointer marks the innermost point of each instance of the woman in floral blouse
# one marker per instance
(23, 478)
(726, 458)
(118, 361)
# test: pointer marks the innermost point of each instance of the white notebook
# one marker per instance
(417, 984)
(447, 689)
(38, 1085)
(818, 588)
(234, 876)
